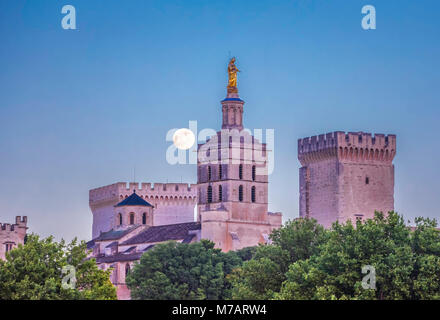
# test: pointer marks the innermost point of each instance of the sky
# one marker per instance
(82, 108)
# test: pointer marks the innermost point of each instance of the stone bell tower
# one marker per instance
(233, 181)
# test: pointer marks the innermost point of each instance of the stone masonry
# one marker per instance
(346, 176)
(11, 235)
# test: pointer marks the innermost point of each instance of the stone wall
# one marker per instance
(346, 176)
(12, 235)
(173, 202)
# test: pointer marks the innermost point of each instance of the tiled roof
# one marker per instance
(90, 244)
(121, 256)
(131, 249)
(113, 244)
(114, 234)
(188, 238)
(179, 231)
(133, 200)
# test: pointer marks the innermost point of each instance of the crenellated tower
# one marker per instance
(11, 235)
(346, 176)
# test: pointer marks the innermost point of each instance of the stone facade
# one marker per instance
(11, 235)
(346, 176)
(120, 248)
(173, 203)
(232, 184)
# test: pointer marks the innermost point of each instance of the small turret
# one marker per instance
(11, 235)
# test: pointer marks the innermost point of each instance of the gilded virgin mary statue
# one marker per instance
(232, 73)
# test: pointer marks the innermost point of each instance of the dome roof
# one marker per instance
(133, 200)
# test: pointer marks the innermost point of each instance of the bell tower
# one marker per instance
(232, 180)
(232, 108)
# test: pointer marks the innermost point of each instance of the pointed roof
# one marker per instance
(133, 200)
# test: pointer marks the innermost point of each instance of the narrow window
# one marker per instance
(220, 193)
(220, 172)
(127, 269)
(240, 171)
(253, 194)
(209, 194)
(144, 218)
(367, 180)
(240, 193)
(120, 219)
(253, 173)
(209, 173)
(131, 218)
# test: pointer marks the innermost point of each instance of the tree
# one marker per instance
(406, 262)
(34, 271)
(262, 277)
(180, 271)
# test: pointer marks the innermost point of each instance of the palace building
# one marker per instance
(231, 196)
(344, 176)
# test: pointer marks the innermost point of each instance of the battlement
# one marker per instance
(19, 223)
(120, 190)
(351, 146)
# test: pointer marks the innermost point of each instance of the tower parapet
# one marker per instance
(347, 147)
(11, 235)
(173, 202)
(346, 176)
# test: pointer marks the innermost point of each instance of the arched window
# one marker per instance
(144, 218)
(240, 171)
(254, 169)
(120, 219)
(240, 193)
(220, 172)
(131, 218)
(209, 173)
(220, 193)
(253, 194)
(367, 180)
(127, 269)
(209, 194)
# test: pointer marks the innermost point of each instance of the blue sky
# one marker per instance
(81, 108)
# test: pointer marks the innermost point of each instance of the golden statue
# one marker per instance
(232, 72)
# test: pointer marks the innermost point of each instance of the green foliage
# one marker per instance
(307, 262)
(184, 271)
(33, 271)
(406, 262)
(261, 277)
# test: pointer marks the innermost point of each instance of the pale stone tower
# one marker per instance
(12, 235)
(233, 183)
(346, 176)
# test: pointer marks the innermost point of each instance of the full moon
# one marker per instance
(183, 139)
